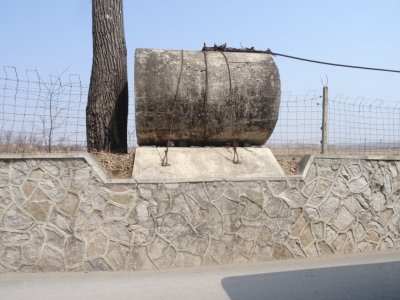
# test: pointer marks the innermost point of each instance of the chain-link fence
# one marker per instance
(49, 114)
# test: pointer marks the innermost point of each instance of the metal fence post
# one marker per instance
(324, 128)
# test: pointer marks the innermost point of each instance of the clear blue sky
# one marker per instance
(52, 35)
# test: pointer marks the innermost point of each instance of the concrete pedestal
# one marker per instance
(204, 164)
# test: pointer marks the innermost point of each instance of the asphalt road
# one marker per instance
(372, 276)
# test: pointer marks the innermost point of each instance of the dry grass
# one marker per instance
(117, 165)
(289, 163)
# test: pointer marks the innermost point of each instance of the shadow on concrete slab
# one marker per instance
(366, 282)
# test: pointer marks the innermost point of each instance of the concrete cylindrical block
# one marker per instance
(221, 97)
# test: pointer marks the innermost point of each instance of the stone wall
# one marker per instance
(62, 214)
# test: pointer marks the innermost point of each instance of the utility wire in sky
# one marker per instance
(224, 48)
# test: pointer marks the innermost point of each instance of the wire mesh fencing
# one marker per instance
(44, 115)
(363, 126)
(354, 126)
(50, 115)
(298, 129)
(41, 115)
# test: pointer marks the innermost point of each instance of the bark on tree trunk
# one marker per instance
(107, 107)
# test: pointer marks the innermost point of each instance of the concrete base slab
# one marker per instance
(204, 164)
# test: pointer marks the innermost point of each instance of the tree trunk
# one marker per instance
(107, 107)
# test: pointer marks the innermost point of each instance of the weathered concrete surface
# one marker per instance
(61, 214)
(205, 113)
(367, 276)
(204, 164)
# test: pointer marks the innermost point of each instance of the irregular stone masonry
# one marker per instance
(59, 215)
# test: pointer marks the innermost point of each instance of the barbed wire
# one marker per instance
(43, 115)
